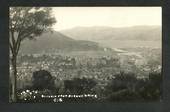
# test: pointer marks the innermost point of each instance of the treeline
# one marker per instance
(122, 87)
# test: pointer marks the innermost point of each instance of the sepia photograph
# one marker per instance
(85, 54)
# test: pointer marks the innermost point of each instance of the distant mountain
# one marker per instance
(145, 35)
(54, 42)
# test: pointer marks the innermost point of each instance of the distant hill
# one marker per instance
(56, 41)
(116, 37)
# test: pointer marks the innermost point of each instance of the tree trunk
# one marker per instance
(14, 79)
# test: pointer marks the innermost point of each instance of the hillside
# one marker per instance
(54, 42)
(118, 37)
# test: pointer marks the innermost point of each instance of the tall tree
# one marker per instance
(25, 23)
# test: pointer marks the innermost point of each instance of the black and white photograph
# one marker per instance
(85, 54)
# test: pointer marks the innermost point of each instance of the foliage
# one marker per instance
(122, 81)
(34, 95)
(152, 88)
(42, 79)
(79, 86)
(118, 89)
(25, 23)
(127, 87)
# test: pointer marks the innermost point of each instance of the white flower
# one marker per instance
(27, 90)
(36, 92)
(54, 99)
(60, 100)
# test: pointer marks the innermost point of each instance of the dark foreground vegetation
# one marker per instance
(122, 87)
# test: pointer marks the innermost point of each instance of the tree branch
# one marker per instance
(11, 48)
(13, 40)
(18, 41)
(18, 45)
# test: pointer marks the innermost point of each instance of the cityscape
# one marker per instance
(84, 64)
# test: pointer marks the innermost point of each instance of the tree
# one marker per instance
(25, 23)
(43, 79)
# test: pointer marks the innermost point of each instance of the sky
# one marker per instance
(70, 17)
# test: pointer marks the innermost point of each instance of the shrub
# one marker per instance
(79, 86)
(122, 81)
(42, 79)
(123, 95)
(152, 88)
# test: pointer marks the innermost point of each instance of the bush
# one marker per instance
(152, 88)
(79, 86)
(122, 81)
(123, 95)
(42, 79)
(125, 87)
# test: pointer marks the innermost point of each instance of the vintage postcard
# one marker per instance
(85, 54)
